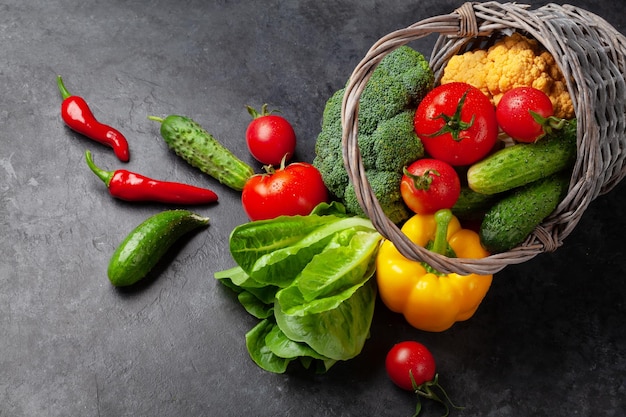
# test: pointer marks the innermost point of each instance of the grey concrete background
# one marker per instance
(549, 340)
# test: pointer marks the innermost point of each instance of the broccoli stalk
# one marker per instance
(387, 139)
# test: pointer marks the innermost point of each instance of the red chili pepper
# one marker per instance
(77, 115)
(130, 186)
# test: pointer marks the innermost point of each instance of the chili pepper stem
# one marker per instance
(64, 93)
(105, 176)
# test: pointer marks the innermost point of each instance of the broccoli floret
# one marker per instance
(393, 145)
(386, 187)
(411, 67)
(387, 140)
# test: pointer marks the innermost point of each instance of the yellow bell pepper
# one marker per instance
(430, 300)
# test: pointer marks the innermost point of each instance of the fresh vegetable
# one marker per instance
(411, 366)
(526, 114)
(307, 279)
(270, 137)
(509, 222)
(386, 109)
(524, 163)
(292, 190)
(201, 150)
(429, 185)
(457, 124)
(472, 205)
(513, 61)
(77, 115)
(131, 186)
(410, 363)
(143, 247)
(428, 299)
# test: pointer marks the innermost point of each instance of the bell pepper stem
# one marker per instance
(442, 219)
(105, 176)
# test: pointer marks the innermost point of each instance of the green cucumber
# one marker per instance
(472, 205)
(201, 150)
(147, 243)
(524, 163)
(509, 221)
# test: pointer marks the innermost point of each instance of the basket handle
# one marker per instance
(468, 26)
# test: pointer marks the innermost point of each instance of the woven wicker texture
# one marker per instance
(592, 56)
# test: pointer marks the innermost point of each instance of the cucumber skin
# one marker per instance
(201, 150)
(472, 205)
(509, 222)
(147, 243)
(524, 163)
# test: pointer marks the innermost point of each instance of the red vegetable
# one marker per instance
(429, 185)
(270, 138)
(292, 190)
(130, 186)
(526, 114)
(456, 123)
(411, 366)
(78, 116)
(410, 363)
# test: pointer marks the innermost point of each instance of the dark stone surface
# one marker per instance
(549, 340)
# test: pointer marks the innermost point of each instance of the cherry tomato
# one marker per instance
(429, 185)
(292, 190)
(515, 117)
(407, 359)
(270, 137)
(456, 123)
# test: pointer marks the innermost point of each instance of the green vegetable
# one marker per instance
(509, 222)
(387, 138)
(201, 150)
(472, 205)
(308, 279)
(524, 163)
(148, 242)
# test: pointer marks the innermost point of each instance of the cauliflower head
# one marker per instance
(513, 61)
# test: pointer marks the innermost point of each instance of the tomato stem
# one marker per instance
(426, 390)
(422, 182)
(548, 124)
(264, 112)
(454, 124)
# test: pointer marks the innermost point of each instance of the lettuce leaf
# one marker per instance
(309, 280)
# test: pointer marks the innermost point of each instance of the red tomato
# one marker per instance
(514, 113)
(270, 137)
(407, 359)
(429, 185)
(293, 190)
(456, 123)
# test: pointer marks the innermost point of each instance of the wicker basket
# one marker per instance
(590, 53)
